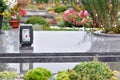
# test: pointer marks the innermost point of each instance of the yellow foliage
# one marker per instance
(116, 73)
(114, 78)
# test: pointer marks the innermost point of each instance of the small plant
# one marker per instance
(8, 75)
(6, 25)
(60, 9)
(51, 9)
(38, 20)
(31, 7)
(41, 8)
(92, 71)
(61, 23)
(17, 12)
(38, 74)
(64, 75)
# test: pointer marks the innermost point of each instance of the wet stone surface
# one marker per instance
(59, 41)
(59, 46)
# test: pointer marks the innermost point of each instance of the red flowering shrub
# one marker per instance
(75, 18)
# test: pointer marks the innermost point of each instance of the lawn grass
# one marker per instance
(61, 29)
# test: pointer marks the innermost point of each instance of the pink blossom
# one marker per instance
(65, 18)
(77, 18)
(84, 21)
(73, 20)
(79, 23)
(68, 11)
(67, 14)
(84, 13)
(91, 20)
(95, 24)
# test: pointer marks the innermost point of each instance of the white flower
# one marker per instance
(11, 3)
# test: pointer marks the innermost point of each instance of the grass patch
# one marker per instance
(61, 29)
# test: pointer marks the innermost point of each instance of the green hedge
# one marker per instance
(38, 74)
(38, 20)
(60, 9)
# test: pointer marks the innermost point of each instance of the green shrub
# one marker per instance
(68, 24)
(8, 75)
(64, 75)
(38, 20)
(5, 26)
(61, 23)
(31, 7)
(91, 71)
(5, 23)
(51, 9)
(46, 1)
(38, 74)
(60, 9)
(41, 8)
(42, 1)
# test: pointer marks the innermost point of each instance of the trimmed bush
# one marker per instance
(41, 8)
(91, 71)
(64, 75)
(61, 23)
(8, 75)
(60, 9)
(38, 20)
(38, 74)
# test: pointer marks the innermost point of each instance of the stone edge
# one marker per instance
(98, 33)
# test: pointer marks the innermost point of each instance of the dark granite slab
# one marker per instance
(110, 54)
(58, 57)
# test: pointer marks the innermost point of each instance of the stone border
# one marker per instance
(58, 57)
(98, 33)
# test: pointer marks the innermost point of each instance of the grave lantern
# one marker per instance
(26, 34)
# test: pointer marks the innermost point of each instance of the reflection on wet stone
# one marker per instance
(26, 49)
(114, 65)
(24, 67)
(6, 67)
